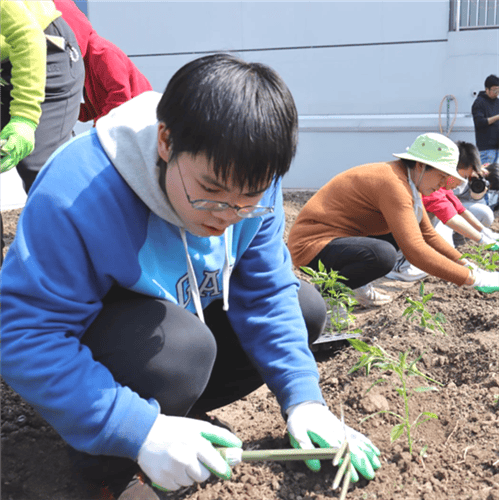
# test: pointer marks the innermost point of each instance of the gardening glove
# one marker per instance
(178, 452)
(490, 233)
(486, 281)
(470, 265)
(20, 136)
(488, 237)
(312, 421)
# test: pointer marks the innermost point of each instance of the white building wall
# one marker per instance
(367, 77)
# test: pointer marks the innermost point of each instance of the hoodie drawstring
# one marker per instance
(192, 278)
(196, 297)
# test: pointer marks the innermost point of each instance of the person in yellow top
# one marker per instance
(42, 75)
(356, 222)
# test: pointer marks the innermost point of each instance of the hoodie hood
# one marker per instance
(129, 136)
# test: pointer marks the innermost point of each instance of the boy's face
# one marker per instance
(192, 177)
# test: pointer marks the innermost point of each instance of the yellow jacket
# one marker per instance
(23, 42)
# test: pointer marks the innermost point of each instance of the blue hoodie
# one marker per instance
(96, 217)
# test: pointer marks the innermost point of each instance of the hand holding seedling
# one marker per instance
(311, 422)
(178, 452)
(485, 281)
(492, 236)
(486, 276)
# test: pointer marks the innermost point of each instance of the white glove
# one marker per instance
(485, 238)
(178, 452)
(490, 234)
(312, 421)
(470, 264)
(486, 281)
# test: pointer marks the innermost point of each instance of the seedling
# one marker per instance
(418, 308)
(483, 257)
(376, 357)
(339, 297)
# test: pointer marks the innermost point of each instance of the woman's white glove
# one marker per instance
(486, 281)
(490, 233)
(312, 421)
(485, 238)
(178, 451)
(470, 265)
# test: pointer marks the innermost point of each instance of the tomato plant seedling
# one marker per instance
(339, 297)
(418, 308)
(376, 357)
(483, 256)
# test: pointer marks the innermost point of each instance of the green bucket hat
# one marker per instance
(435, 150)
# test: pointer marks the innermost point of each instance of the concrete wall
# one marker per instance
(367, 77)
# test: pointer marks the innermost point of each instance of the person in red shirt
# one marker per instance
(111, 78)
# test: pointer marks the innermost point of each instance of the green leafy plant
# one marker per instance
(376, 357)
(483, 257)
(339, 297)
(418, 309)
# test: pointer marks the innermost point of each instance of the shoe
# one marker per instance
(107, 476)
(403, 270)
(367, 296)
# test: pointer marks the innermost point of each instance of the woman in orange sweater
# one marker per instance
(356, 223)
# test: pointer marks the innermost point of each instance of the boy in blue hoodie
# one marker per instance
(163, 288)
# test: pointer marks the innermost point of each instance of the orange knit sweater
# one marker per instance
(371, 200)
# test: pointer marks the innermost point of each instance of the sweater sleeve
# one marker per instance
(420, 243)
(53, 278)
(27, 52)
(265, 313)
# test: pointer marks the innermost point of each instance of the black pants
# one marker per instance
(359, 259)
(162, 351)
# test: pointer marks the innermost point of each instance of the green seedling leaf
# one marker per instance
(396, 432)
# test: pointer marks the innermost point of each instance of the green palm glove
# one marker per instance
(19, 135)
(311, 422)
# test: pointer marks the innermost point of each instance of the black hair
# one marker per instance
(241, 115)
(410, 164)
(493, 176)
(468, 156)
(491, 81)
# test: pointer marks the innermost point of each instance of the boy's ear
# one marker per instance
(164, 142)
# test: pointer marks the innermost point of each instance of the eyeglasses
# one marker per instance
(247, 212)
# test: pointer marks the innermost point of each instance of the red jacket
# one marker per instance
(111, 78)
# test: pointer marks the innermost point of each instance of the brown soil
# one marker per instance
(462, 458)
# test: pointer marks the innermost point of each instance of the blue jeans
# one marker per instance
(489, 156)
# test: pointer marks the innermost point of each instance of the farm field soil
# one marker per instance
(460, 463)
